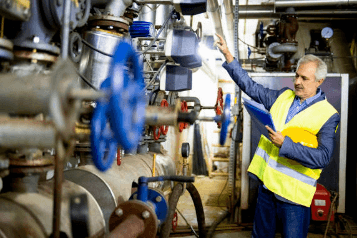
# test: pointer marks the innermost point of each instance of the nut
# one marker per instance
(146, 214)
(158, 199)
(119, 212)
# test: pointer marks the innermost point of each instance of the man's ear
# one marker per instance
(320, 81)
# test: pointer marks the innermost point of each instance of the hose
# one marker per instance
(174, 197)
(223, 216)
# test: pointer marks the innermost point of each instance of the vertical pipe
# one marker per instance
(162, 13)
(65, 28)
(148, 13)
(214, 13)
(247, 125)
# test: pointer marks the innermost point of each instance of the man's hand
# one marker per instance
(222, 46)
(276, 137)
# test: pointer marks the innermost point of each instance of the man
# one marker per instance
(289, 163)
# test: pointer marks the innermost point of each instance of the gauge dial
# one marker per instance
(327, 33)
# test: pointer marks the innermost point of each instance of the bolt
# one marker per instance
(158, 199)
(26, 12)
(145, 214)
(110, 27)
(135, 196)
(36, 39)
(59, 3)
(71, 25)
(97, 27)
(119, 212)
(77, 200)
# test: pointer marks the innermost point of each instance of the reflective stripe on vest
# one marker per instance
(283, 176)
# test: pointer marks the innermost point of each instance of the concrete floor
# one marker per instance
(214, 197)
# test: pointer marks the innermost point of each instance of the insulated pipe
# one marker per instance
(313, 3)
(117, 7)
(27, 133)
(214, 14)
(269, 12)
(148, 13)
(229, 22)
(162, 13)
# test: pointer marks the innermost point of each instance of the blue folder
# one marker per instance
(258, 113)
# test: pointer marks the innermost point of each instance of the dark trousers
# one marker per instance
(273, 215)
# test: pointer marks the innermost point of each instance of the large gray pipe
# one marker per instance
(214, 13)
(162, 12)
(229, 22)
(313, 3)
(117, 7)
(148, 13)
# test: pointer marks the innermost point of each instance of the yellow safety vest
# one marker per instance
(285, 177)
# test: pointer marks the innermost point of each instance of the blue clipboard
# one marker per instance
(259, 113)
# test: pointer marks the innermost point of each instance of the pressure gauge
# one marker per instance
(327, 33)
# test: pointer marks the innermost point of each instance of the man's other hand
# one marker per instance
(275, 137)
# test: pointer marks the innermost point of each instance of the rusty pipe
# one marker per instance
(132, 227)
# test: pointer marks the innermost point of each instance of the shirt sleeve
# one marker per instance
(254, 90)
(314, 158)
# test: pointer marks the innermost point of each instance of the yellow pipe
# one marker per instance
(153, 165)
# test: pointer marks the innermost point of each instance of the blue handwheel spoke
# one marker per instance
(226, 119)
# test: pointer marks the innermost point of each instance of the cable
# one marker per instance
(158, 34)
(95, 49)
(248, 44)
(155, 75)
(330, 213)
(87, 81)
(188, 224)
(225, 185)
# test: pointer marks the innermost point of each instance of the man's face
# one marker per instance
(304, 82)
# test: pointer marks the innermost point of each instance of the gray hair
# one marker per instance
(321, 67)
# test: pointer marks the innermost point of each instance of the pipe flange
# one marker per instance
(30, 55)
(141, 210)
(108, 25)
(6, 44)
(44, 161)
(108, 18)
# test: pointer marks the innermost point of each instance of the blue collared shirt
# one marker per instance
(297, 107)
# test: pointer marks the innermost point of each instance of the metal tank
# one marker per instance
(30, 214)
(116, 184)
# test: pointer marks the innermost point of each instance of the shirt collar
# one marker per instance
(311, 99)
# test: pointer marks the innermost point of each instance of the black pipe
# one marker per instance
(174, 197)
(189, 117)
(200, 214)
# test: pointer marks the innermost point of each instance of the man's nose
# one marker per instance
(297, 80)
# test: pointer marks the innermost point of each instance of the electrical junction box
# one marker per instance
(182, 47)
(190, 7)
(175, 78)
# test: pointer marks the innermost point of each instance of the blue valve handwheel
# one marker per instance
(127, 101)
(104, 146)
(226, 119)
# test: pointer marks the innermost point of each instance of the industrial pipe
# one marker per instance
(132, 227)
(17, 133)
(117, 7)
(313, 3)
(285, 48)
(228, 18)
(214, 14)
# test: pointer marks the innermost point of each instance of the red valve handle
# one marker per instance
(219, 105)
(184, 108)
(156, 134)
(164, 129)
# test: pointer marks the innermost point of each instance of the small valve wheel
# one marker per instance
(156, 132)
(219, 105)
(184, 108)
